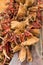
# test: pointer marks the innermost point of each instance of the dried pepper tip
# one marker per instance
(4, 52)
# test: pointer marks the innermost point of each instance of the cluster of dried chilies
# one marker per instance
(20, 24)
